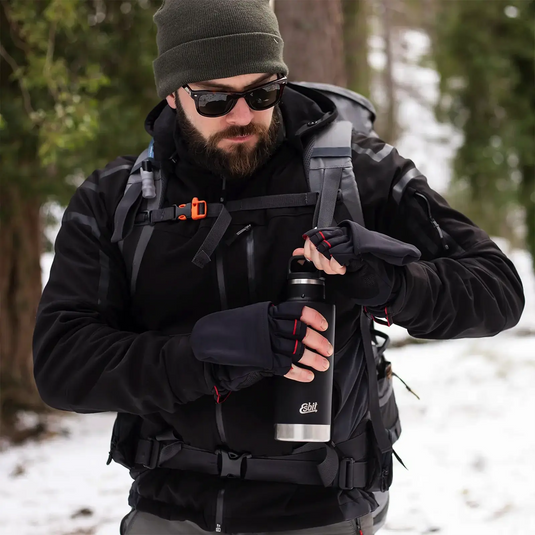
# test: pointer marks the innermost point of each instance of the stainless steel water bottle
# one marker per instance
(303, 410)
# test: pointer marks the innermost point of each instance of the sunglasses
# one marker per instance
(219, 103)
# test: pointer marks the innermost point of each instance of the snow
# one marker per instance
(468, 444)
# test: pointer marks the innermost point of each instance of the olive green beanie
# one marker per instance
(202, 40)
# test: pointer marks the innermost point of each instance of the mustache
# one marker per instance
(235, 131)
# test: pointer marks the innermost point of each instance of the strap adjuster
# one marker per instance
(232, 464)
(148, 453)
(193, 210)
(346, 473)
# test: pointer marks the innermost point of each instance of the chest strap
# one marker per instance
(311, 464)
(201, 209)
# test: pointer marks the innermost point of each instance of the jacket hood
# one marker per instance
(304, 111)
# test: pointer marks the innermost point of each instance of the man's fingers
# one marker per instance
(314, 319)
(300, 374)
(311, 359)
(319, 343)
(321, 262)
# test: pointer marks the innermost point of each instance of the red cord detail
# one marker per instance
(218, 397)
(387, 318)
(295, 327)
(295, 348)
(325, 240)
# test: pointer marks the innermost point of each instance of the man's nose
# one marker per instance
(241, 114)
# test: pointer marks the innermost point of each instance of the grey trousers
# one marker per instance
(140, 523)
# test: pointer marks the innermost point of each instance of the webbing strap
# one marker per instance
(132, 192)
(325, 161)
(266, 202)
(123, 209)
(146, 233)
(381, 435)
(204, 254)
(329, 194)
(318, 466)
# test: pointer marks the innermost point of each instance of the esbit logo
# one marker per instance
(309, 407)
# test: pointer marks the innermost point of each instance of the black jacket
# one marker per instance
(98, 348)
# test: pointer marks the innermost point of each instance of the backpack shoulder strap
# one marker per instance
(144, 189)
(130, 199)
(329, 168)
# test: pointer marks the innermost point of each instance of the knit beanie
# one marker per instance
(202, 40)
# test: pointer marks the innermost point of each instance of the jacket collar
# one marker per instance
(304, 111)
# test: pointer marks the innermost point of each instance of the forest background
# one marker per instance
(76, 83)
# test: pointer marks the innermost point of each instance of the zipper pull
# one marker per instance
(359, 527)
(223, 191)
(234, 237)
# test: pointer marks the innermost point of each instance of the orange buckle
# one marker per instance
(195, 203)
(194, 206)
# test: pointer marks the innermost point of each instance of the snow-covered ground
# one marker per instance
(468, 444)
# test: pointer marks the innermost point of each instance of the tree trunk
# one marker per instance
(313, 40)
(20, 291)
(527, 195)
(356, 45)
(389, 129)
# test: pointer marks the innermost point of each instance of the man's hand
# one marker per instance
(371, 262)
(330, 266)
(241, 346)
(312, 340)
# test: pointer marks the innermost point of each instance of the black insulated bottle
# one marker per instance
(303, 410)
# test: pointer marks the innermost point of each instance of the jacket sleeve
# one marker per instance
(463, 285)
(86, 356)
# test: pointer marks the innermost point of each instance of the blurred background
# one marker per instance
(454, 86)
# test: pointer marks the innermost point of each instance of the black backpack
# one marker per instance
(328, 167)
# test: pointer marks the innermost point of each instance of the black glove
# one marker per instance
(373, 261)
(243, 345)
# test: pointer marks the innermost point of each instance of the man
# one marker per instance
(189, 356)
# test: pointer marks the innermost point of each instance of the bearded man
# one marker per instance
(187, 340)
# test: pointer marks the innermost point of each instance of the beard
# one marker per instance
(240, 161)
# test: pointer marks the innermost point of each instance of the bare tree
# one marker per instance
(356, 13)
(313, 39)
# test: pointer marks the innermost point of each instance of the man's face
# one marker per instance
(236, 143)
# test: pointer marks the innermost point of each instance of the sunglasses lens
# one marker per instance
(265, 97)
(214, 104)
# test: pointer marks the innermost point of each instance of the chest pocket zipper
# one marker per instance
(433, 221)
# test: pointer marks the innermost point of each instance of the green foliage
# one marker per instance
(485, 52)
(76, 86)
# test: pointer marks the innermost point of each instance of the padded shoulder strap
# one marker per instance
(329, 168)
(130, 199)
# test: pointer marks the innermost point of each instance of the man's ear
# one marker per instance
(171, 100)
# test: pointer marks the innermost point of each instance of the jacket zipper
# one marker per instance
(219, 407)
(433, 221)
(221, 280)
(219, 511)
(250, 266)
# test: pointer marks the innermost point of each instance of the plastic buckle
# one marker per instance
(345, 474)
(154, 454)
(194, 211)
(232, 463)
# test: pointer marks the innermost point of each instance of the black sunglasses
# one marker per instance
(219, 103)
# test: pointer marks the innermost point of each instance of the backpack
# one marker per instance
(328, 167)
